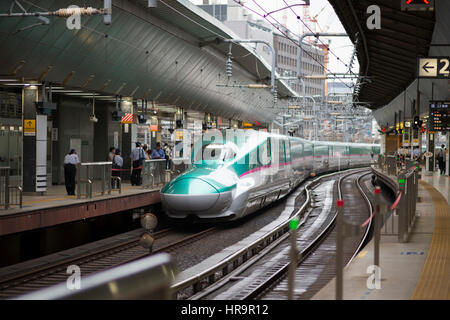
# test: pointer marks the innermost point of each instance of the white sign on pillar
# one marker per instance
(383, 144)
(116, 139)
(134, 135)
(41, 153)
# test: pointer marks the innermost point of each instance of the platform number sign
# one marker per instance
(434, 67)
(417, 5)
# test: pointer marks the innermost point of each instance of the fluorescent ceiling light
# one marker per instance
(22, 84)
(82, 94)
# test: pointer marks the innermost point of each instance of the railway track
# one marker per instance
(98, 260)
(257, 278)
(318, 265)
(101, 259)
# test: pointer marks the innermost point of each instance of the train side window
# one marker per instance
(264, 159)
(287, 149)
(281, 151)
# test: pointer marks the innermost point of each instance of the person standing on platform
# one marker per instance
(70, 170)
(117, 164)
(138, 157)
(416, 154)
(441, 159)
(145, 148)
(112, 153)
(158, 153)
(167, 153)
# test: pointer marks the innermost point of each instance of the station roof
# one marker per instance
(388, 56)
(166, 54)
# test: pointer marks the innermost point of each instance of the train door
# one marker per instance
(350, 156)
(259, 162)
(310, 158)
(331, 157)
(288, 162)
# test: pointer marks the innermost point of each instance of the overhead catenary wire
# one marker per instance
(297, 35)
(306, 25)
(286, 35)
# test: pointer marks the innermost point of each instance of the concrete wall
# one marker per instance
(101, 143)
(73, 123)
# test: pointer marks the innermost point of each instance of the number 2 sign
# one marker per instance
(434, 67)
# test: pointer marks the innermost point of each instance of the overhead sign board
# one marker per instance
(417, 5)
(434, 67)
(439, 119)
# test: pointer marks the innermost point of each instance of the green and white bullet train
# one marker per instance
(230, 179)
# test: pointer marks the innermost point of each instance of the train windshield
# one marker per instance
(216, 152)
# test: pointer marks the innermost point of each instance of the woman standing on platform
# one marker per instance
(145, 148)
(70, 170)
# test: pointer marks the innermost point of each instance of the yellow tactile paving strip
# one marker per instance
(434, 282)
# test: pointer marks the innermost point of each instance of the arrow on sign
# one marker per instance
(426, 66)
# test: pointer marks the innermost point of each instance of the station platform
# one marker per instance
(56, 207)
(418, 269)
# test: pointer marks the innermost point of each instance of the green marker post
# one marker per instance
(293, 226)
(402, 229)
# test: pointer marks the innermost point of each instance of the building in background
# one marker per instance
(286, 50)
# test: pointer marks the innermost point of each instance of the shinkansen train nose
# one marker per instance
(189, 194)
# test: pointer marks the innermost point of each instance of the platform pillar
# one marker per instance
(429, 164)
(127, 146)
(29, 97)
(34, 149)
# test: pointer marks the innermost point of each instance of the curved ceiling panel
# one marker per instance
(387, 55)
(151, 52)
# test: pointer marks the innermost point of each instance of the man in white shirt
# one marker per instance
(70, 170)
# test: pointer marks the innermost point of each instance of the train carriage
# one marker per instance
(242, 172)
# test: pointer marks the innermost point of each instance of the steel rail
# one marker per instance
(55, 267)
(369, 225)
(301, 257)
